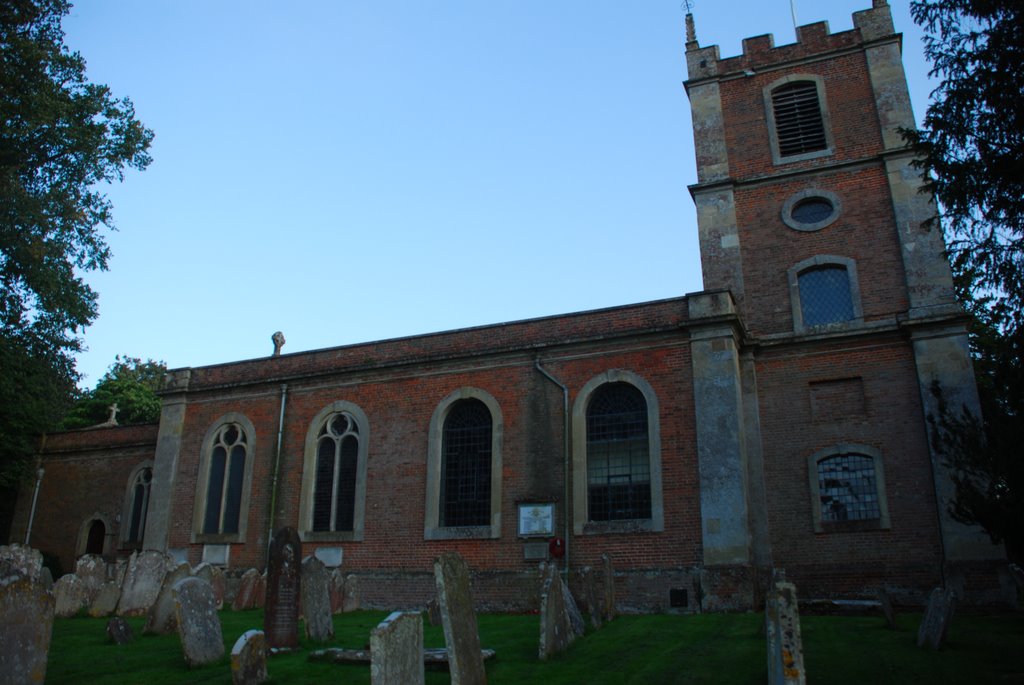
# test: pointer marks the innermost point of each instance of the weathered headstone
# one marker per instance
(433, 612)
(451, 576)
(1017, 573)
(588, 588)
(26, 624)
(215, 577)
(70, 596)
(886, 603)
(245, 597)
(195, 613)
(161, 616)
(118, 631)
(782, 627)
(105, 601)
(608, 607)
(27, 560)
(557, 631)
(396, 650)
(937, 617)
(284, 590)
(249, 659)
(142, 582)
(316, 600)
(337, 585)
(260, 596)
(351, 601)
(92, 569)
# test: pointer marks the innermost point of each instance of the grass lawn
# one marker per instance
(711, 648)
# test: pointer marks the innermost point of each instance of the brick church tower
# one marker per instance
(809, 215)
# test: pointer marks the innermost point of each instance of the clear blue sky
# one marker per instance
(358, 170)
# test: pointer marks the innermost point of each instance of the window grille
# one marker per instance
(847, 487)
(799, 125)
(466, 465)
(618, 458)
(825, 296)
(334, 494)
(224, 487)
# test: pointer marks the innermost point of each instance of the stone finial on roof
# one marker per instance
(691, 32)
(278, 339)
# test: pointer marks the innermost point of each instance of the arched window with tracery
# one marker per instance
(225, 480)
(337, 466)
(138, 506)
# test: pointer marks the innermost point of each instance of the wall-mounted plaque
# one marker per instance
(536, 520)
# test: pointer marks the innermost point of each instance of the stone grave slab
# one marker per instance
(245, 597)
(105, 601)
(118, 631)
(249, 659)
(70, 596)
(936, 619)
(142, 582)
(396, 650)
(557, 629)
(316, 600)
(195, 613)
(782, 628)
(160, 619)
(284, 590)
(26, 617)
(451, 575)
(215, 577)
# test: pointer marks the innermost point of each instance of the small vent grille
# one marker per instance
(677, 598)
(798, 121)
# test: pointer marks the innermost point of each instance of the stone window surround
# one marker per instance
(129, 501)
(306, 532)
(432, 530)
(883, 521)
(795, 199)
(203, 477)
(793, 276)
(582, 525)
(826, 119)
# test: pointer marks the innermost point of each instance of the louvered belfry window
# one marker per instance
(799, 125)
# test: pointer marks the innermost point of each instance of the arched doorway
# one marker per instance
(97, 536)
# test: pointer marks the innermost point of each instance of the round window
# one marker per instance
(811, 210)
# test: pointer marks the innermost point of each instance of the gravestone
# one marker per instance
(886, 603)
(70, 596)
(608, 605)
(105, 601)
(433, 612)
(27, 560)
(215, 577)
(284, 590)
(351, 600)
(396, 650)
(118, 631)
(1017, 573)
(249, 659)
(26, 625)
(937, 617)
(557, 630)
(245, 597)
(260, 595)
(455, 600)
(588, 588)
(316, 600)
(161, 617)
(93, 571)
(782, 627)
(142, 582)
(195, 613)
(337, 585)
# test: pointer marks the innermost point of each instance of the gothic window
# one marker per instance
(336, 468)
(848, 488)
(225, 478)
(798, 122)
(618, 460)
(824, 291)
(466, 465)
(137, 506)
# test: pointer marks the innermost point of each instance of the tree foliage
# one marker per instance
(61, 139)
(971, 147)
(130, 383)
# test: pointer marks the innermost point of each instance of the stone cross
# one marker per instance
(112, 419)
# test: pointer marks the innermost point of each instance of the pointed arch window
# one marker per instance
(137, 506)
(337, 463)
(225, 479)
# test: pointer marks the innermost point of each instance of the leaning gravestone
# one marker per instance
(245, 597)
(160, 617)
(608, 609)
(337, 584)
(260, 594)
(26, 624)
(93, 571)
(886, 603)
(105, 601)
(118, 631)
(142, 582)
(589, 590)
(249, 659)
(284, 590)
(465, 661)
(557, 630)
(70, 596)
(937, 617)
(785, 646)
(215, 577)
(396, 650)
(316, 600)
(195, 613)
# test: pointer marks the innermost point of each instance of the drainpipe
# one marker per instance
(35, 495)
(565, 456)
(277, 468)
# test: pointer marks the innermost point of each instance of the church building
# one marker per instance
(776, 420)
